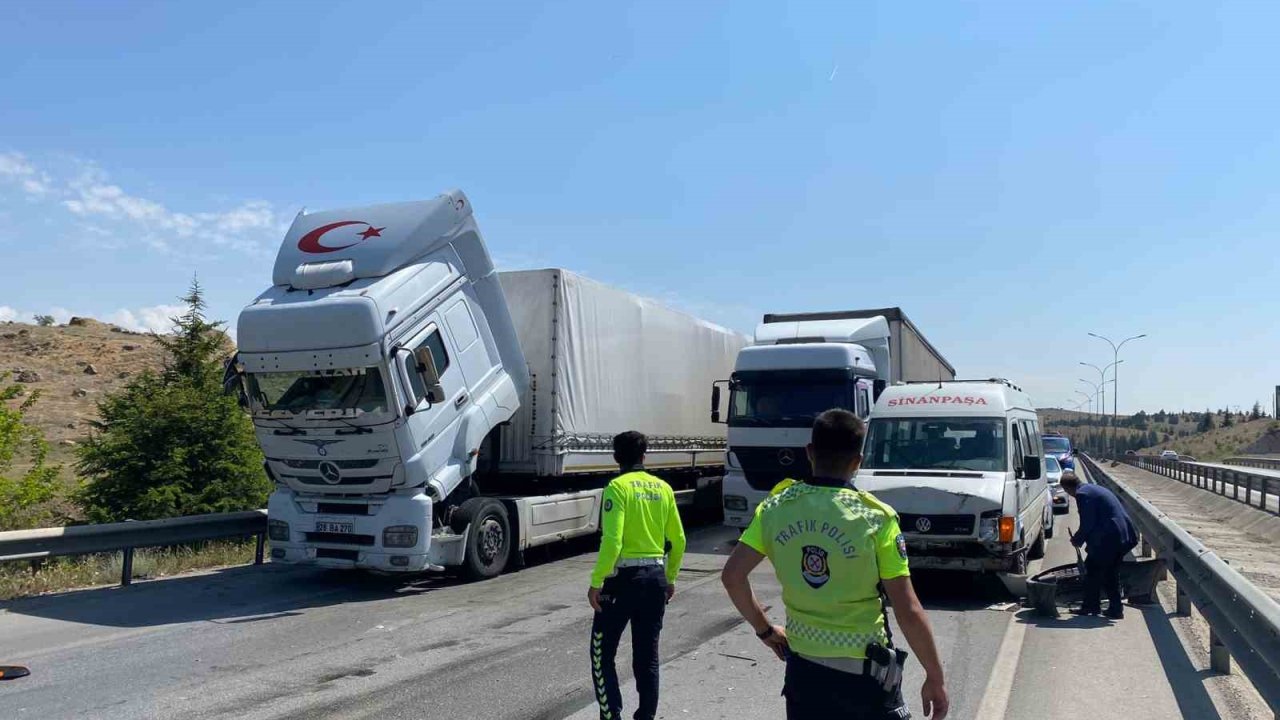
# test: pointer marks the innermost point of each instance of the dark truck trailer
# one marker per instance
(912, 358)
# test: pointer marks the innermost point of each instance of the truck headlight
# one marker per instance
(400, 536)
(735, 502)
(278, 530)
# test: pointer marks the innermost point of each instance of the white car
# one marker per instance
(1168, 455)
(1053, 474)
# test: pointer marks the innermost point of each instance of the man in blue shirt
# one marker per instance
(1108, 533)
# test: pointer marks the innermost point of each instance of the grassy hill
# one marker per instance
(1151, 433)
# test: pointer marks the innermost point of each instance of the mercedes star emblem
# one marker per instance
(786, 456)
(331, 474)
(923, 524)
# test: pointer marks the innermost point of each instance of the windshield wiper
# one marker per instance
(355, 429)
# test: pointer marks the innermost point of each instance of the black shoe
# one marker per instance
(1115, 613)
(1086, 611)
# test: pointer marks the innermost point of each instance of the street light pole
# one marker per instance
(1115, 352)
(1088, 403)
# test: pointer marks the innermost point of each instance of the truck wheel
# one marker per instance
(489, 539)
(1036, 551)
(1053, 520)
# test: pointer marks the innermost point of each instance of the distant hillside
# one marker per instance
(1178, 431)
(72, 366)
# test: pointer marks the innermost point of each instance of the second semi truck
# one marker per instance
(798, 366)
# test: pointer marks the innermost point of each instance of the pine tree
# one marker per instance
(1206, 422)
(1227, 419)
(173, 443)
(1256, 413)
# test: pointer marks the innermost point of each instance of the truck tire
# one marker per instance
(1053, 521)
(488, 540)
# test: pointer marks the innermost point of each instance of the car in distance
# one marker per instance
(1057, 496)
(1168, 455)
(1059, 447)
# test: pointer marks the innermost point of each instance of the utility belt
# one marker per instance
(641, 562)
(883, 664)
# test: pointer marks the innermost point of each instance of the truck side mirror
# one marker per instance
(426, 369)
(1031, 467)
(877, 387)
(715, 401)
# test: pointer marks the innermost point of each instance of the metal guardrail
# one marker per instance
(1257, 462)
(1244, 623)
(1223, 481)
(127, 536)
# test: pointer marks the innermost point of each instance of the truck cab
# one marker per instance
(793, 372)
(374, 368)
(962, 464)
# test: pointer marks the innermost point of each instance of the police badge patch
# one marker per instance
(814, 566)
(608, 505)
(902, 545)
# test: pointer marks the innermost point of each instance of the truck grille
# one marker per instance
(936, 524)
(344, 464)
(345, 480)
(765, 467)
(340, 538)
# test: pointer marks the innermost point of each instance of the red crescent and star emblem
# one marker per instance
(310, 243)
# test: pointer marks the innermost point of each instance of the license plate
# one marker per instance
(345, 527)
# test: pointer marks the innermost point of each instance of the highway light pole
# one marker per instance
(1102, 385)
(1115, 351)
(1088, 402)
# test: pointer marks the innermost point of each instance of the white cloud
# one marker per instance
(147, 319)
(15, 167)
(155, 318)
(252, 226)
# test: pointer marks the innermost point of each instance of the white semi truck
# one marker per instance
(419, 410)
(798, 366)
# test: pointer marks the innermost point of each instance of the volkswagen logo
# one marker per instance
(924, 524)
(786, 456)
(331, 474)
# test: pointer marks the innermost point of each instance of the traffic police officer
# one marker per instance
(633, 581)
(832, 548)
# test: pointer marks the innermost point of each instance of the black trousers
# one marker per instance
(817, 692)
(637, 596)
(1102, 573)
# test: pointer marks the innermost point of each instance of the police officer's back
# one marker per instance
(832, 548)
(634, 577)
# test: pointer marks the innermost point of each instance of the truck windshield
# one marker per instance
(353, 392)
(777, 402)
(936, 444)
(1056, 444)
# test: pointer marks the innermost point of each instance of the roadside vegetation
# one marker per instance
(167, 443)
(1208, 435)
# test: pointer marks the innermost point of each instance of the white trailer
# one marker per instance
(419, 410)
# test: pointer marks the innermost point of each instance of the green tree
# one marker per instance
(22, 444)
(173, 443)
(1256, 412)
(44, 320)
(1206, 422)
(1228, 419)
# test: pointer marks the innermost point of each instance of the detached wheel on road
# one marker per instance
(489, 540)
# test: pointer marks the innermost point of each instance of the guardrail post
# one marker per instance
(1219, 658)
(1183, 602)
(1235, 485)
(1262, 502)
(257, 551)
(1146, 548)
(1248, 490)
(126, 572)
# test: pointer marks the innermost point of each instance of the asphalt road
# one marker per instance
(286, 642)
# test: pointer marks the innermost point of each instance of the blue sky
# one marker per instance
(1013, 175)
